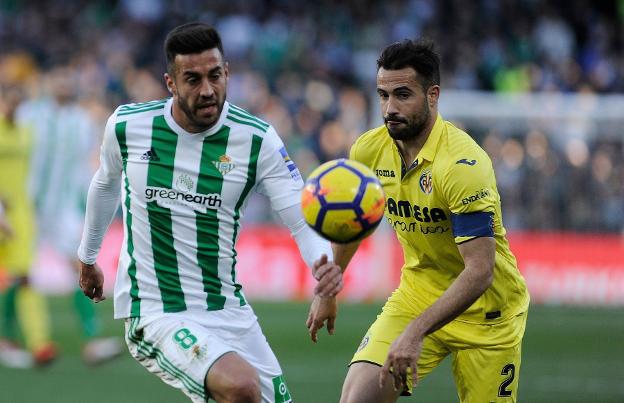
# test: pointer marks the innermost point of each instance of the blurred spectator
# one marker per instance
(306, 68)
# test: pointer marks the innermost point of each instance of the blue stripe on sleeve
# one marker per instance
(476, 224)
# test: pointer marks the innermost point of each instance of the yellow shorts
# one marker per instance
(17, 252)
(486, 358)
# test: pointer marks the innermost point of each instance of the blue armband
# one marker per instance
(476, 224)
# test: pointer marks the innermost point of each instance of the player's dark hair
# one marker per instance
(193, 37)
(418, 54)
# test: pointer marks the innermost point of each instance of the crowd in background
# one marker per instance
(309, 69)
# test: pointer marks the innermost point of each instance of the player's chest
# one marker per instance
(189, 175)
(414, 203)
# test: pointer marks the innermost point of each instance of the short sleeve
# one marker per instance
(469, 188)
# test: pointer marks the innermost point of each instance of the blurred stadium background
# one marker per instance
(540, 85)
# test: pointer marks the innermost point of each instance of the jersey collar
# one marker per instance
(430, 147)
(179, 130)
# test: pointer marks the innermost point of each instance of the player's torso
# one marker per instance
(415, 209)
(15, 148)
(183, 197)
(418, 208)
(189, 176)
(61, 160)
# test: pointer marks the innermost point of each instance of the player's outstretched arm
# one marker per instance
(324, 308)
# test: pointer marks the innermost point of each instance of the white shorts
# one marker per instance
(180, 348)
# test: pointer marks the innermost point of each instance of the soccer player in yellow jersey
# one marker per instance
(460, 293)
(17, 242)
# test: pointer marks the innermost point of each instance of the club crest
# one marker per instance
(426, 182)
(224, 165)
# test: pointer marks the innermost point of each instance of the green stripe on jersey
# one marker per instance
(160, 175)
(135, 307)
(145, 109)
(210, 181)
(141, 105)
(243, 114)
(256, 143)
(247, 122)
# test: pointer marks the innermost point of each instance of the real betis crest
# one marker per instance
(224, 165)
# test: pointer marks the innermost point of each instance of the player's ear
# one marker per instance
(171, 87)
(433, 94)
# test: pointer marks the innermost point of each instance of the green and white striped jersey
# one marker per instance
(64, 141)
(183, 196)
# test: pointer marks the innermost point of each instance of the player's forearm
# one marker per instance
(311, 246)
(343, 253)
(479, 256)
(464, 291)
(102, 202)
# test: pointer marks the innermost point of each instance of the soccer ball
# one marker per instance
(343, 201)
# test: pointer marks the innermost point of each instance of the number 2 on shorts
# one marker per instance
(510, 371)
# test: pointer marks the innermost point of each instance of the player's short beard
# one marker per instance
(413, 128)
(190, 113)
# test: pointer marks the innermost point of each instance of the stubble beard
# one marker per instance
(191, 114)
(414, 129)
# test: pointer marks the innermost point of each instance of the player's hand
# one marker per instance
(329, 277)
(323, 309)
(402, 361)
(91, 281)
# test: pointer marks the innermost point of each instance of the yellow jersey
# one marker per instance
(16, 253)
(446, 196)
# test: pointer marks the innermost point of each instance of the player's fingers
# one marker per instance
(318, 263)
(398, 374)
(339, 286)
(309, 320)
(316, 325)
(329, 284)
(98, 294)
(324, 270)
(331, 322)
(383, 374)
(414, 368)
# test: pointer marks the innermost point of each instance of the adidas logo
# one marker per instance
(150, 155)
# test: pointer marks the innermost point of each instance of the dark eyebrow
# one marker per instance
(190, 73)
(215, 70)
(404, 88)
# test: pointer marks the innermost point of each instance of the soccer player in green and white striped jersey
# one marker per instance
(185, 167)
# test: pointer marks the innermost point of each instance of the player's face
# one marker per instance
(406, 107)
(198, 86)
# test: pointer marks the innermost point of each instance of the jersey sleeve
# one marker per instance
(469, 187)
(103, 196)
(278, 176)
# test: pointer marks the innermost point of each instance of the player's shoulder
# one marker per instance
(458, 148)
(369, 144)
(139, 110)
(244, 120)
